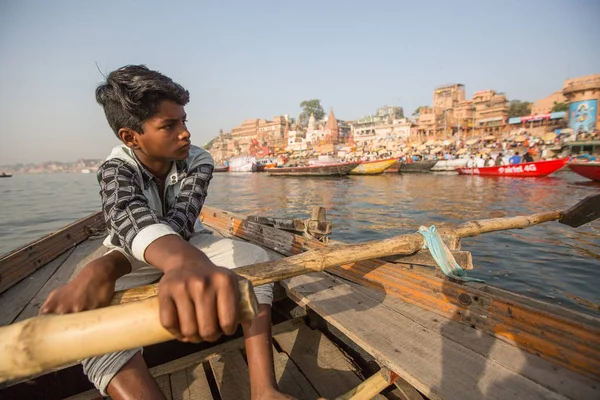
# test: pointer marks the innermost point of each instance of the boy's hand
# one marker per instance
(92, 288)
(199, 301)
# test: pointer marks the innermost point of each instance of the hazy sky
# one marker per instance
(257, 59)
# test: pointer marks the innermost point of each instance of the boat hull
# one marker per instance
(419, 166)
(587, 170)
(221, 168)
(314, 170)
(373, 167)
(525, 170)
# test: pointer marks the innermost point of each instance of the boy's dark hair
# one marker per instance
(133, 93)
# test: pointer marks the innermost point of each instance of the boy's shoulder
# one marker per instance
(197, 156)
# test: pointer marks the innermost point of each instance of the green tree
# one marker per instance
(557, 107)
(417, 111)
(209, 145)
(314, 107)
(518, 108)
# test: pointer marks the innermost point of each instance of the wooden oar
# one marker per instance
(585, 211)
(50, 341)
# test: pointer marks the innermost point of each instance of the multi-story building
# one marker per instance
(427, 122)
(272, 133)
(583, 96)
(491, 111)
(385, 129)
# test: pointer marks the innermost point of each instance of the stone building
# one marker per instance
(386, 129)
(491, 111)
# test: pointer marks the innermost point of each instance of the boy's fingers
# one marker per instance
(168, 315)
(228, 298)
(206, 314)
(186, 312)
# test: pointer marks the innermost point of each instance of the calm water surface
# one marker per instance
(551, 261)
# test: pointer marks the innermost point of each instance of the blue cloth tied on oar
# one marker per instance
(443, 256)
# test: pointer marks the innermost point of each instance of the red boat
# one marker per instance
(524, 170)
(589, 170)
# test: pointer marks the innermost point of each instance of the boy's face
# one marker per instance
(165, 137)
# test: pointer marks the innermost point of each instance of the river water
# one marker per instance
(552, 262)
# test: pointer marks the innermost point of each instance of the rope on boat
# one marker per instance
(443, 256)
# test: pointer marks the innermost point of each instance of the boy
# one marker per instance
(153, 188)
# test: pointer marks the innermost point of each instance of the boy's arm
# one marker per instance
(194, 189)
(198, 300)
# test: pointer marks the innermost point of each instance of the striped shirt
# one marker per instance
(135, 212)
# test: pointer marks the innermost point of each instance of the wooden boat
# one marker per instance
(340, 169)
(242, 164)
(263, 163)
(397, 315)
(590, 170)
(5, 175)
(449, 165)
(395, 168)
(222, 168)
(418, 166)
(375, 167)
(524, 170)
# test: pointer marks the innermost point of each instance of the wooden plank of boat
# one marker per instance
(590, 170)
(426, 359)
(290, 379)
(560, 335)
(314, 170)
(22, 262)
(375, 167)
(15, 299)
(524, 170)
(395, 168)
(418, 166)
(333, 375)
(231, 374)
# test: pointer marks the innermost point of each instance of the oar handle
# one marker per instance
(46, 342)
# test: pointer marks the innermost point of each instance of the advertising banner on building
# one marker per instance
(582, 116)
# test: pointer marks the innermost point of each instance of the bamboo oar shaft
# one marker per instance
(49, 341)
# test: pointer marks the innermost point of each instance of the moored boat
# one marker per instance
(221, 168)
(242, 164)
(339, 169)
(375, 167)
(590, 170)
(5, 175)
(449, 165)
(418, 166)
(524, 170)
(263, 163)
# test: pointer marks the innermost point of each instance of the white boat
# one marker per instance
(449, 165)
(242, 164)
(86, 171)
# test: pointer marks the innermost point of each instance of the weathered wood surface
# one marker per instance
(24, 261)
(231, 374)
(295, 225)
(565, 337)
(424, 257)
(15, 299)
(428, 360)
(290, 379)
(320, 360)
